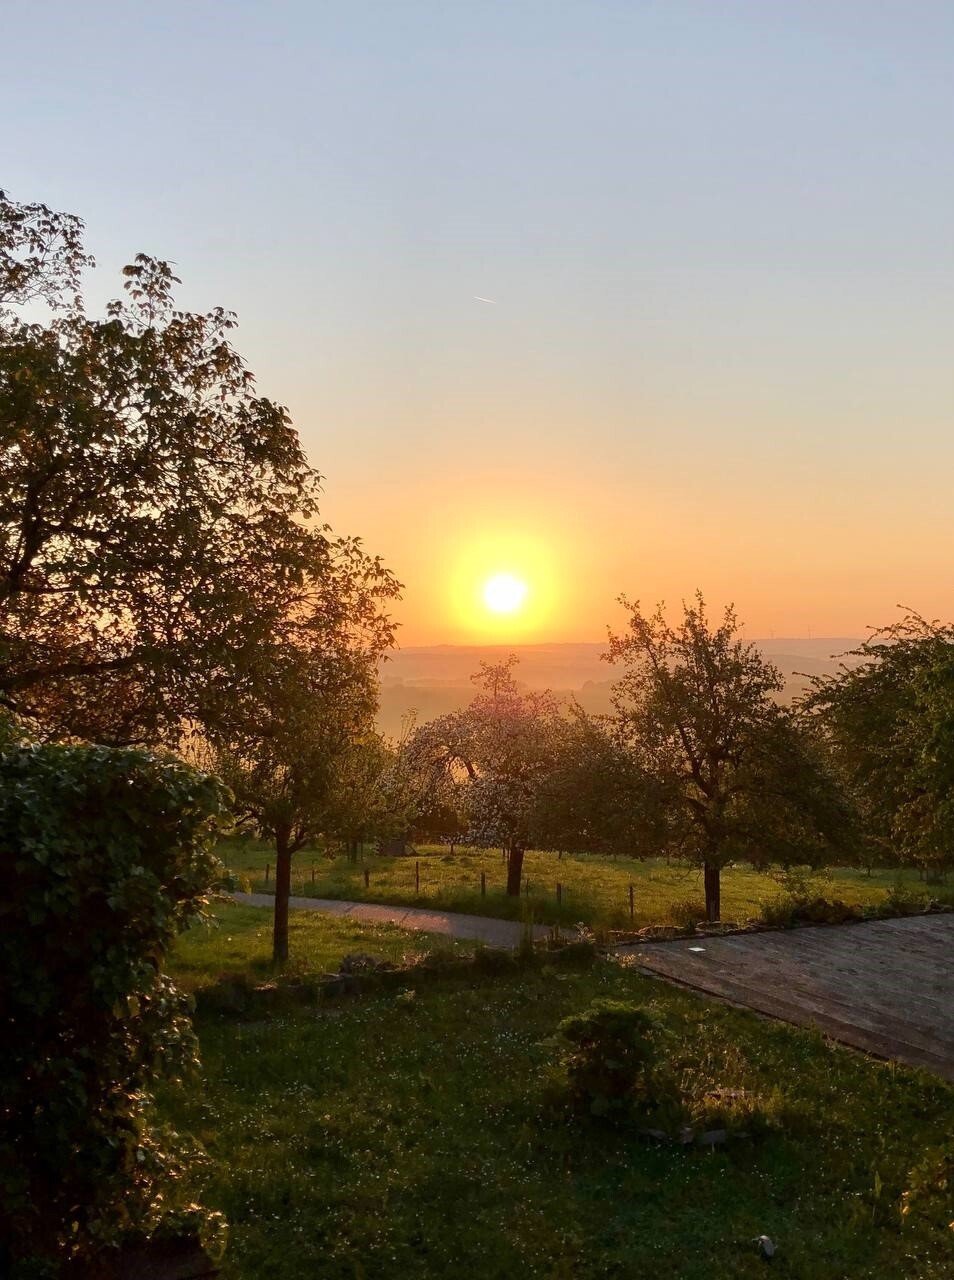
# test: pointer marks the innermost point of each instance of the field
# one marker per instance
(594, 890)
(409, 1135)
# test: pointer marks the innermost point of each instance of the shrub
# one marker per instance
(494, 960)
(737, 1111)
(900, 900)
(785, 911)
(106, 855)
(607, 1055)
(799, 882)
(579, 954)
(687, 914)
(930, 1193)
(779, 913)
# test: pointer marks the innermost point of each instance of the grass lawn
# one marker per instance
(238, 941)
(595, 890)
(395, 1136)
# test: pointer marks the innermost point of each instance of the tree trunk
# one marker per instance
(352, 851)
(713, 892)
(283, 859)
(514, 871)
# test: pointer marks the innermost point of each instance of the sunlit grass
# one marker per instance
(387, 1136)
(238, 940)
(594, 890)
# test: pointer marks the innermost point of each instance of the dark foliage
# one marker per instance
(608, 1053)
(106, 855)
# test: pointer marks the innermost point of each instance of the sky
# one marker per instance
(717, 241)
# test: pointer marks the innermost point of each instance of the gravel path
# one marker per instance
(498, 933)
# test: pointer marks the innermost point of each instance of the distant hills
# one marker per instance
(433, 679)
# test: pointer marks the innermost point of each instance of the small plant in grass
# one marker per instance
(930, 1193)
(686, 914)
(902, 900)
(607, 1056)
(737, 1111)
(779, 912)
(799, 883)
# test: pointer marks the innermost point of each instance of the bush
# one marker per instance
(107, 855)
(900, 900)
(786, 911)
(800, 883)
(607, 1055)
(687, 914)
(930, 1193)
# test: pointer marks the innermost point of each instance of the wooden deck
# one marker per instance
(884, 986)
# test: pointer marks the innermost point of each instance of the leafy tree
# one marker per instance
(496, 754)
(283, 737)
(890, 719)
(107, 854)
(738, 776)
(413, 799)
(597, 798)
(157, 515)
(358, 808)
(378, 794)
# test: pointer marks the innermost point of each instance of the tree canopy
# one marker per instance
(497, 754)
(158, 518)
(284, 739)
(597, 797)
(737, 775)
(889, 717)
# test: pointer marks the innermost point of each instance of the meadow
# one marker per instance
(595, 891)
(409, 1133)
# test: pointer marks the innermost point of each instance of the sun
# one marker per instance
(502, 583)
(504, 593)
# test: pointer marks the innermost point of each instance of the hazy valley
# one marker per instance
(428, 680)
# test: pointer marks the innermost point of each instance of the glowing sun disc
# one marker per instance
(503, 593)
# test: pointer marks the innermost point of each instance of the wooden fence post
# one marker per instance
(417, 878)
(631, 903)
(367, 877)
(268, 867)
(483, 884)
(559, 894)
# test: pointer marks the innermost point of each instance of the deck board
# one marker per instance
(884, 986)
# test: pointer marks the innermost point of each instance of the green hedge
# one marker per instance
(105, 855)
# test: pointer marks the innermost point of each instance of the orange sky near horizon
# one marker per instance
(794, 560)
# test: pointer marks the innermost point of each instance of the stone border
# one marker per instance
(675, 933)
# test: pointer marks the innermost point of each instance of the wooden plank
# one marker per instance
(885, 986)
